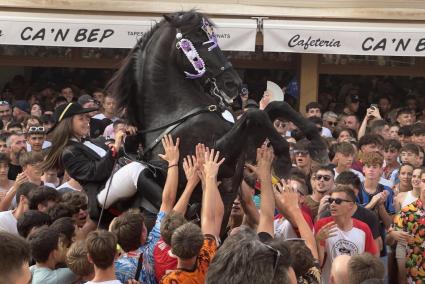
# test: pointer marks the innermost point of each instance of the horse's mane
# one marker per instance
(127, 83)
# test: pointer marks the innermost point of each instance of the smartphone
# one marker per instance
(374, 106)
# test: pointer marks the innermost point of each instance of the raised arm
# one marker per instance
(252, 216)
(288, 200)
(265, 158)
(7, 200)
(212, 204)
(170, 188)
(190, 169)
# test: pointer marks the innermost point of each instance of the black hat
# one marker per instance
(68, 110)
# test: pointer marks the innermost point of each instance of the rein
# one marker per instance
(172, 125)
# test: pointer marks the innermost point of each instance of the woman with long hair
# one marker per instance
(405, 183)
(92, 163)
(402, 200)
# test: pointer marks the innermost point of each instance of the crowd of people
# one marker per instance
(358, 219)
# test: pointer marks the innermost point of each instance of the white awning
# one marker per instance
(105, 31)
(389, 39)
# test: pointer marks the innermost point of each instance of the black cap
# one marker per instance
(68, 110)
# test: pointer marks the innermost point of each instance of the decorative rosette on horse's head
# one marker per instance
(208, 28)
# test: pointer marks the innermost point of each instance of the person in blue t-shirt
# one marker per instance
(136, 261)
(375, 196)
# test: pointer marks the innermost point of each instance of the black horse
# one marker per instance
(177, 80)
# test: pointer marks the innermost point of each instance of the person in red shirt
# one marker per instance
(341, 234)
(164, 260)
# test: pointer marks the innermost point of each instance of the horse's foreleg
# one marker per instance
(240, 144)
(317, 148)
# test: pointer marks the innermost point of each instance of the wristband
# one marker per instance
(175, 165)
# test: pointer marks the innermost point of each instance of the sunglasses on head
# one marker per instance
(338, 201)
(324, 177)
(36, 129)
(276, 257)
(4, 103)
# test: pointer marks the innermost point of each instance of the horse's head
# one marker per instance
(200, 57)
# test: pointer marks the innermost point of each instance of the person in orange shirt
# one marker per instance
(195, 247)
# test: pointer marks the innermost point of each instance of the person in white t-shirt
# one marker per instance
(341, 234)
(109, 109)
(9, 219)
(5, 182)
(344, 157)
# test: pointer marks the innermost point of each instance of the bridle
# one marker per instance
(210, 76)
(210, 81)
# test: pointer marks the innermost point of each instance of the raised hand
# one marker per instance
(172, 152)
(327, 231)
(287, 196)
(212, 164)
(265, 156)
(190, 167)
(119, 138)
(21, 178)
(200, 151)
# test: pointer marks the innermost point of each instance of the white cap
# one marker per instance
(276, 93)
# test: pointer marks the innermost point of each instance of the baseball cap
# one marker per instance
(82, 100)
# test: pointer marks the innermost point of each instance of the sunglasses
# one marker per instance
(300, 153)
(332, 123)
(83, 207)
(276, 257)
(338, 201)
(280, 124)
(36, 129)
(325, 178)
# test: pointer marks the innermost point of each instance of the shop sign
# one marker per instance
(387, 39)
(106, 31)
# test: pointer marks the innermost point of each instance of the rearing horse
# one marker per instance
(177, 80)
